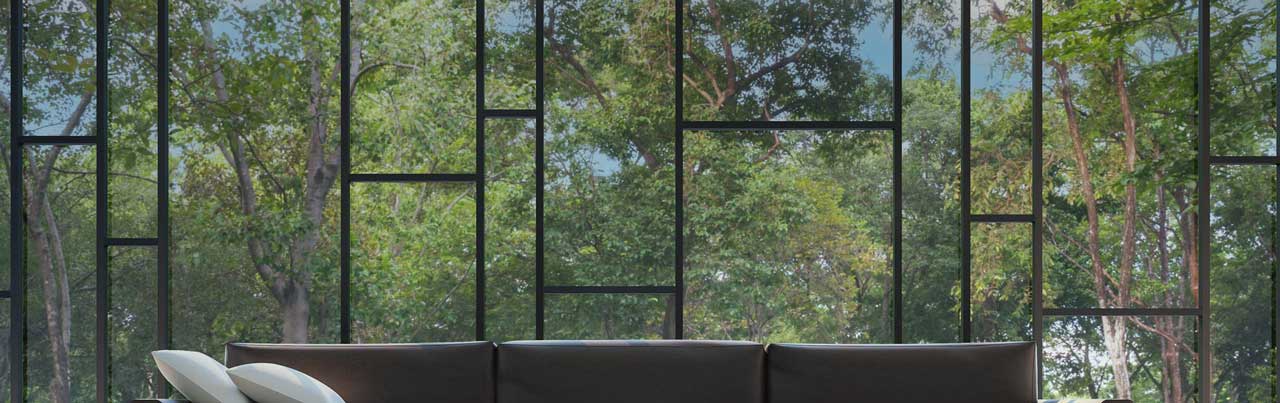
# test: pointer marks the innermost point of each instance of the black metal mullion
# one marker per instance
(897, 171)
(679, 168)
(344, 332)
(480, 169)
(1037, 188)
(605, 289)
(162, 188)
(102, 289)
(162, 168)
(1244, 160)
(413, 178)
(966, 187)
(131, 241)
(1121, 311)
(17, 301)
(509, 113)
(56, 140)
(1002, 218)
(1203, 223)
(771, 125)
(539, 170)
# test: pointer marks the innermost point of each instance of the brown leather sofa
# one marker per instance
(660, 371)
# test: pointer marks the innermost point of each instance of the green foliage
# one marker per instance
(788, 235)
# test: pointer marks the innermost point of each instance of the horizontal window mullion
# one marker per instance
(1122, 311)
(132, 241)
(57, 140)
(402, 178)
(786, 125)
(998, 218)
(510, 113)
(609, 289)
(1244, 160)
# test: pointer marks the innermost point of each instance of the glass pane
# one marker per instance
(931, 140)
(609, 316)
(131, 187)
(789, 236)
(254, 148)
(59, 84)
(1119, 155)
(510, 254)
(825, 60)
(610, 179)
(1001, 282)
(1001, 106)
(413, 262)
(1242, 275)
(1244, 82)
(132, 322)
(61, 266)
(413, 62)
(1146, 359)
(510, 56)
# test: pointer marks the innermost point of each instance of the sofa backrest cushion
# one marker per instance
(379, 373)
(905, 373)
(667, 371)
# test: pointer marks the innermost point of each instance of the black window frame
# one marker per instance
(15, 294)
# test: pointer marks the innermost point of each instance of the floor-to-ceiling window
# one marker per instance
(1097, 176)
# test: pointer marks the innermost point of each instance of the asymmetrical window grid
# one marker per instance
(1100, 177)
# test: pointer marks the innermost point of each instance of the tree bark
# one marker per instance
(57, 315)
(51, 261)
(289, 281)
(1128, 246)
(1113, 327)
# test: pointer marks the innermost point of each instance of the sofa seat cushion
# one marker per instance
(380, 373)
(904, 373)
(665, 371)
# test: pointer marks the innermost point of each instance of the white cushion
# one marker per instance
(198, 377)
(271, 383)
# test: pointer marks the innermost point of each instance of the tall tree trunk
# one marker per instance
(1170, 356)
(1128, 243)
(51, 261)
(1169, 327)
(668, 318)
(290, 286)
(57, 316)
(297, 313)
(1113, 328)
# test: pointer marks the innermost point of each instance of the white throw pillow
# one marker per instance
(198, 377)
(271, 383)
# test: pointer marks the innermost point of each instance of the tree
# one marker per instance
(788, 234)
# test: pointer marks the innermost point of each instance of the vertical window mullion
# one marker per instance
(102, 299)
(480, 168)
(17, 297)
(1037, 185)
(1203, 230)
(966, 191)
(345, 148)
(163, 333)
(679, 154)
(897, 171)
(539, 168)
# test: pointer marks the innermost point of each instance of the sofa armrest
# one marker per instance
(1085, 401)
